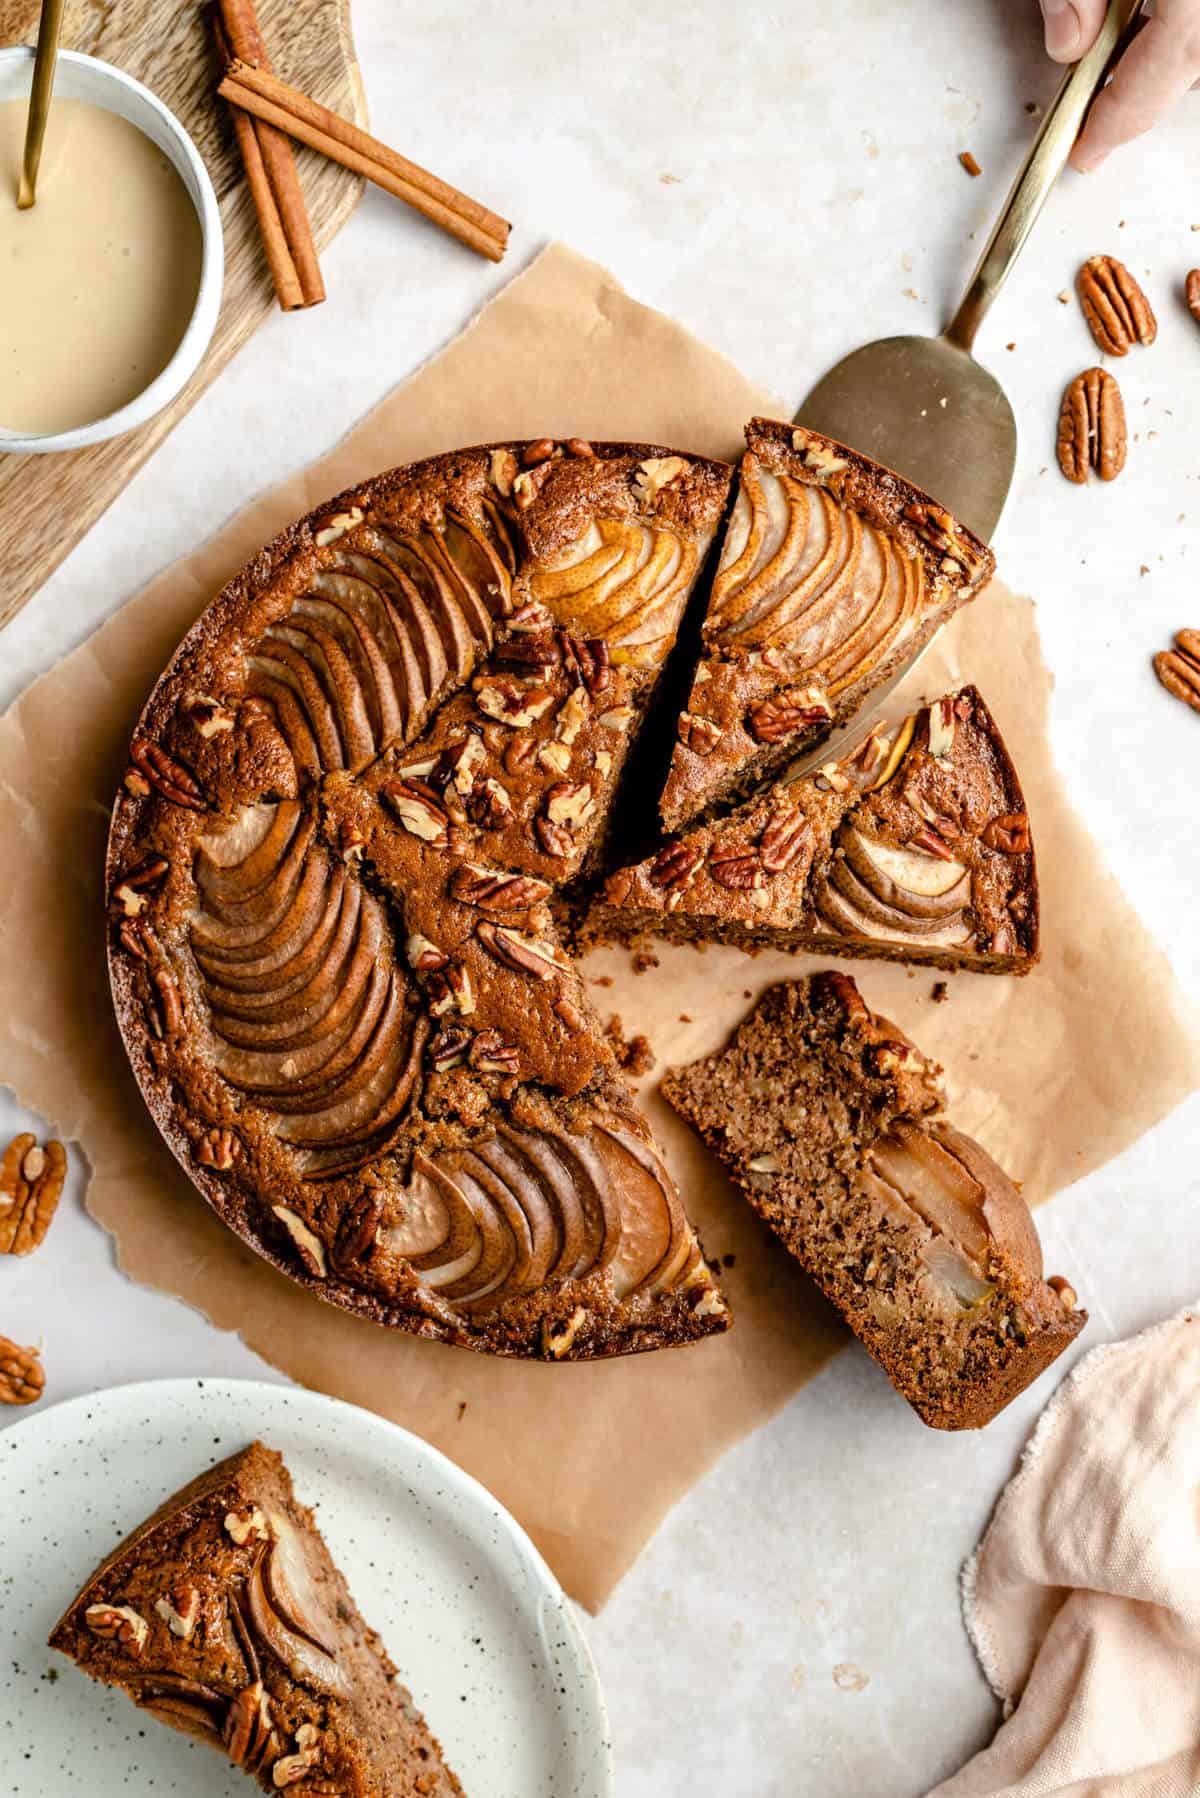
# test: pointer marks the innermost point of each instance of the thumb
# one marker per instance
(1071, 27)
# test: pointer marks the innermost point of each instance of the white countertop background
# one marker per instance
(783, 179)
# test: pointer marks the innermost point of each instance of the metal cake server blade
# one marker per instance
(923, 405)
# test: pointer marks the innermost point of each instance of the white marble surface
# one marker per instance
(784, 180)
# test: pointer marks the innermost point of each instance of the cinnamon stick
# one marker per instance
(278, 166)
(270, 225)
(275, 104)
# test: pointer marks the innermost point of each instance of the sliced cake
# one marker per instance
(378, 756)
(834, 571)
(829, 1121)
(225, 1616)
(915, 847)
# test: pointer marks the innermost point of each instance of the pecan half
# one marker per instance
(250, 1739)
(308, 1245)
(217, 1149)
(739, 869)
(529, 650)
(169, 777)
(935, 526)
(488, 804)
(677, 865)
(1179, 669)
(783, 841)
(491, 1054)
(771, 720)
(928, 839)
(420, 809)
(423, 956)
(553, 839)
(521, 753)
(586, 661)
(528, 485)
(520, 953)
(31, 1183)
(503, 470)
(1091, 427)
(700, 735)
(569, 802)
(941, 728)
(492, 889)
(131, 890)
(1192, 293)
(579, 446)
(654, 474)
(511, 701)
(359, 1230)
(1117, 311)
(22, 1380)
(450, 989)
(1009, 833)
(166, 1019)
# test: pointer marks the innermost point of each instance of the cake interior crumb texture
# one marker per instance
(830, 1122)
(225, 1616)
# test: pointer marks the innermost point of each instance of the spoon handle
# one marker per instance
(39, 99)
(1041, 168)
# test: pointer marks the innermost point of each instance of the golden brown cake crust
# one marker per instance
(828, 1119)
(915, 847)
(834, 572)
(367, 770)
(224, 1615)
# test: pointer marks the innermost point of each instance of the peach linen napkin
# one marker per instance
(1083, 1599)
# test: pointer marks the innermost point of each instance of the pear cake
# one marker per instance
(370, 767)
(833, 572)
(829, 1121)
(224, 1616)
(915, 847)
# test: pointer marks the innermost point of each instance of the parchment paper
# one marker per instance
(1055, 1073)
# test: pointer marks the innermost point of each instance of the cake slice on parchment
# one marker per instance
(829, 1120)
(225, 1616)
(915, 847)
(834, 571)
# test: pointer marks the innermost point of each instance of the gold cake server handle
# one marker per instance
(49, 30)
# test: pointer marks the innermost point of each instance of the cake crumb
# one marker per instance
(849, 1678)
(969, 163)
(601, 980)
(685, 1017)
(940, 993)
(644, 960)
(462, 1409)
(634, 1055)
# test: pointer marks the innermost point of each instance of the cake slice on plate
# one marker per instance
(915, 847)
(224, 1615)
(834, 571)
(829, 1121)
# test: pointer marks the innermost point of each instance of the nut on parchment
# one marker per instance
(1179, 669)
(1091, 427)
(31, 1183)
(22, 1379)
(1192, 293)
(1117, 311)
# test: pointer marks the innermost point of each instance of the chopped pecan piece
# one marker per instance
(209, 716)
(929, 840)
(773, 719)
(449, 1048)
(166, 1019)
(491, 1054)
(529, 650)
(677, 865)
(783, 842)
(31, 1183)
(503, 472)
(512, 701)
(700, 735)
(1117, 311)
(450, 989)
(250, 1739)
(130, 891)
(521, 753)
(553, 839)
(359, 1230)
(520, 953)
(290, 1769)
(22, 1380)
(166, 775)
(1179, 669)
(488, 804)
(420, 809)
(528, 485)
(653, 475)
(1192, 293)
(1008, 833)
(246, 1526)
(309, 1246)
(1091, 427)
(118, 1623)
(217, 1149)
(492, 889)
(180, 1611)
(941, 728)
(570, 803)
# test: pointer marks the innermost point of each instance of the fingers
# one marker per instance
(1071, 27)
(1159, 67)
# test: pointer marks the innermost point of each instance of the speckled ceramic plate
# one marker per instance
(468, 1609)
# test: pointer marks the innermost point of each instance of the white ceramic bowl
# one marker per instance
(84, 78)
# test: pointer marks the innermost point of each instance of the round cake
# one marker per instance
(352, 799)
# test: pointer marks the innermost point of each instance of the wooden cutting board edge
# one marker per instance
(234, 330)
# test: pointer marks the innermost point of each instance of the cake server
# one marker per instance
(924, 405)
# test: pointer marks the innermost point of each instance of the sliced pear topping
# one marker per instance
(926, 875)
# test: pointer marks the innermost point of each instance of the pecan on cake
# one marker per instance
(834, 571)
(377, 757)
(829, 1121)
(225, 1616)
(915, 847)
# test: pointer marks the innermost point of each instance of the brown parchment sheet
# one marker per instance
(1056, 1073)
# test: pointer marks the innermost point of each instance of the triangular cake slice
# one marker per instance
(224, 1616)
(834, 571)
(915, 847)
(376, 761)
(829, 1121)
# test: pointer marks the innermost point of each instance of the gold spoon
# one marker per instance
(39, 99)
(923, 405)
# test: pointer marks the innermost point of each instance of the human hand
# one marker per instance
(1160, 65)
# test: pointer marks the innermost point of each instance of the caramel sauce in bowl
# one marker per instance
(129, 319)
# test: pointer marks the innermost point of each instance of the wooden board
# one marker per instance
(166, 44)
